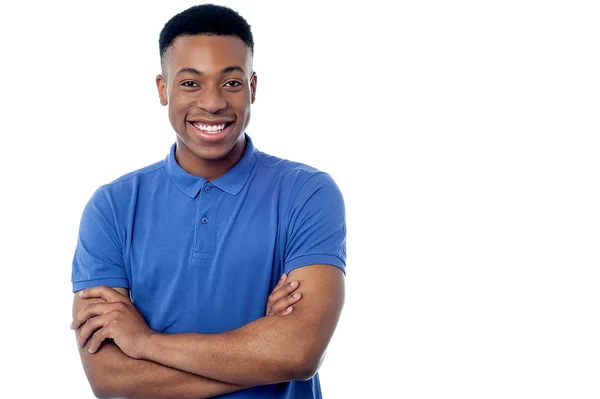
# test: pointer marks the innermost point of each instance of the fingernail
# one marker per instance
(289, 309)
(81, 293)
(296, 296)
(293, 284)
(282, 276)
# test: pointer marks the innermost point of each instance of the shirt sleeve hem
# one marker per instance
(109, 282)
(317, 259)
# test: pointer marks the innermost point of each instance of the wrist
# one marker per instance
(147, 345)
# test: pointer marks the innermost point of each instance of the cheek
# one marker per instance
(178, 99)
(241, 102)
(178, 106)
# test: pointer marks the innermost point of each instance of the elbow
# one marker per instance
(102, 385)
(104, 390)
(101, 393)
(100, 389)
(305, 372)
(306, 367)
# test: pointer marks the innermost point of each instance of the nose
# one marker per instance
(211, 100)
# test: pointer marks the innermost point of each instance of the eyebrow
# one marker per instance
(224, 71)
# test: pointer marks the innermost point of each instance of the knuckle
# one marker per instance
(294, 297)
(275, 297)
(275, 306)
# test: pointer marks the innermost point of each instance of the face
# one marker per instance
(208, 86)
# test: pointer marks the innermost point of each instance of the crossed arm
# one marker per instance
(139, 362)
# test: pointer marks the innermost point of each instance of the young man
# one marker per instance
(176, 262)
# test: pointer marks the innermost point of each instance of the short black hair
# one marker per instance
(205, 19)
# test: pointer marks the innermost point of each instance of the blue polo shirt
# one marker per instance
(202, 256)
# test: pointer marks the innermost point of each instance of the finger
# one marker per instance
(99, 337)
(89, 327)
(284, 304)
(280, 284)
(281, 293)
(287, 311)
(284, 291)
(106, 293)
(92, 310)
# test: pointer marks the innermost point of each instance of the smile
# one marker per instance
(210, 128)
(211, 132)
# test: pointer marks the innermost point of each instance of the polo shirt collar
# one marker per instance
(231, 182)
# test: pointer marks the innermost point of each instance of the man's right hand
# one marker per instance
(283, 297)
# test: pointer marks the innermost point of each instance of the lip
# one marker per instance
(211, 138)
(210, 122)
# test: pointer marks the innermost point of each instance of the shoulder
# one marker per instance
(130, 182)
(147, 172)
(301, 189)
(125, 187)
(284, 166)
(297, 177)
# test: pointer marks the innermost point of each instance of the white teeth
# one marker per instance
(210, 128)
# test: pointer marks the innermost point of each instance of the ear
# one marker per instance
(253, 80)
(161, 85)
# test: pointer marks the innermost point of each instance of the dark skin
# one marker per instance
(208, 79)
(112, 373)
(208, 86)
(208, 96)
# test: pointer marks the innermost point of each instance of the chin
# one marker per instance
(209, 151)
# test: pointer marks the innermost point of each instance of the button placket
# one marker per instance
(205, 234)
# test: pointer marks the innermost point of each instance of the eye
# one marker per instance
(190, 84)
(232, 83)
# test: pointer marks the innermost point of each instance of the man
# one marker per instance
(176, 262)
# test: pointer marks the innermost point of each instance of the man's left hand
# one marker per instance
(116, 319)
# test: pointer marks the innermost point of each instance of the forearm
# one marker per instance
(111, 374)
(266, 351)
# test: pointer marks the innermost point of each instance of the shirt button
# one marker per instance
(204, 220)
(207, 189)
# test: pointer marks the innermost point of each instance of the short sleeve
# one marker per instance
(317, 229)
(98, 258)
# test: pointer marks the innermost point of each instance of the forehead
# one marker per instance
(207, 53)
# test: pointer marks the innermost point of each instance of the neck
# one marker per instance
(210, 169)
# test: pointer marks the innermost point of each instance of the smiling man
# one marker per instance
(185, 271)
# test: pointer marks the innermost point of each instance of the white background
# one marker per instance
(464, 136)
